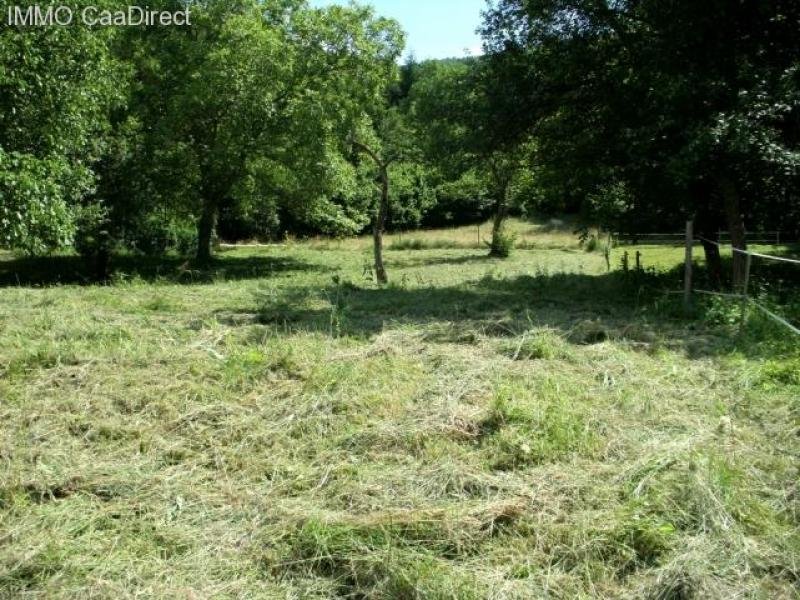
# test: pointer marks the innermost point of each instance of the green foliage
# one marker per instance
(466, 199)
(782, 372)
(610, 205)
(456, 107)
(411, 195)
(254, 110)
(721, 311)
(502, 243)
(57, 88)
(673, 105)
(92, 230)
(36, 215)
(155, 236)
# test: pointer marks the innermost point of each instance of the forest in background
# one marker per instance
(267, 119)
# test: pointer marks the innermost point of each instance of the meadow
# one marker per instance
(278, 426)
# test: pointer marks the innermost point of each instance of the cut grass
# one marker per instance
(279, 427)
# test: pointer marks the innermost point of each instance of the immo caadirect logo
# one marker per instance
(133, 16)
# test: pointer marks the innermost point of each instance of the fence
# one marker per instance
(758, 237)
(744, 295)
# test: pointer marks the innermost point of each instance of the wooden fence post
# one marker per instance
(687, 277)
(748, 263)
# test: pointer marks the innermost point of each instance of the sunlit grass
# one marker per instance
(280, 427)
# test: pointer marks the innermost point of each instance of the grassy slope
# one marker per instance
(525, 428)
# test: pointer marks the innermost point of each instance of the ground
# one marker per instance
(280, 427)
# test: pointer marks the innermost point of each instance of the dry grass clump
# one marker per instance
(455, 435)
(397, 554)
(540, 344)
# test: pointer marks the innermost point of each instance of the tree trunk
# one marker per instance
(500, 213)
(733, 213)
(707, 225)
(205, 231)
(381, 211)
(378, 225)
(713, 261)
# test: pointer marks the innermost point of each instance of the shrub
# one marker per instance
(156, 236)
(92, 230)
(502, 244)
(93, 238)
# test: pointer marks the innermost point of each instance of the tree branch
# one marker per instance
(372, 154)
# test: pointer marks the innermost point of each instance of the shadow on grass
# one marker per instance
(55, 270)
(583, 308)
(641, 309)
(427, 261)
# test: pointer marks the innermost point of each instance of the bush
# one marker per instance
(93, 239)
(502, 244)
(36, 200)
(156, 236)
(92, 230)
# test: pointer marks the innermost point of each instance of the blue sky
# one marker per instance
(434, 28)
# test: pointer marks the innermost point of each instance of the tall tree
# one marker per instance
(690, 104)
(457, 106)
(256, 90)
(58, 86)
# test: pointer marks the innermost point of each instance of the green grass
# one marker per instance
(280, 427)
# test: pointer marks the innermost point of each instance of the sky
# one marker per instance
(434, 28)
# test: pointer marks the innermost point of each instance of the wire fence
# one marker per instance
(759, 237)
(746, 298)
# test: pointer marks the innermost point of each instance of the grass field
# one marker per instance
(280, 427)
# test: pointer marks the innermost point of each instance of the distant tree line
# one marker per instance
(263, 119)
(259, 120)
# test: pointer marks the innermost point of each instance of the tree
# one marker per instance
(381, 209)
(258, 97)
(690, 104)
(58, 86)
(384, 143)
(456, 107)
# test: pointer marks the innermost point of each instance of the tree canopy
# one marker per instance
(268, 118)
(646, 112)
(58, 86)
